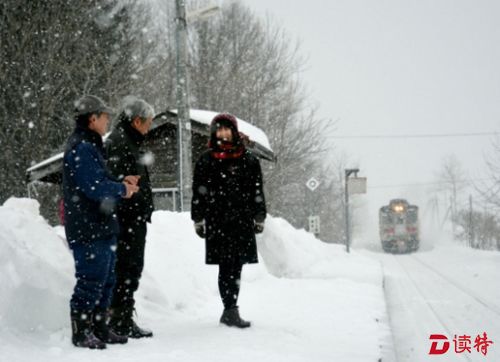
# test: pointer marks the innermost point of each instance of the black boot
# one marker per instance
(104, 332)
(137, 332)
(82, 335)
(123, 324)
(231, 317)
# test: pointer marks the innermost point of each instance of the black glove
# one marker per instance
(199, 227)
(258, 227)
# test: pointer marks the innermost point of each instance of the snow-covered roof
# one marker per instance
(56, 157)
(46, 162)
(253, 132)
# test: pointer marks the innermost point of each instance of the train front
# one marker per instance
(399, 231)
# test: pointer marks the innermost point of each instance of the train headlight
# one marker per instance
(398, 208)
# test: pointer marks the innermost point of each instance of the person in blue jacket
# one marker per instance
(91, 226)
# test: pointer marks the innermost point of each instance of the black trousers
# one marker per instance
(229, 282)
(129, 263)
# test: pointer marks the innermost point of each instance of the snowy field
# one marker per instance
(308, 301)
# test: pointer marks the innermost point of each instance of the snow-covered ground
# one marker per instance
(308, 301)
(445, 289)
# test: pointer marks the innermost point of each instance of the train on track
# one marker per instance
(399, 227)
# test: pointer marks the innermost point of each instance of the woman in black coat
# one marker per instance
(228, 209)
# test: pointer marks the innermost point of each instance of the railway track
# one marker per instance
(488, 305)
(441, 295)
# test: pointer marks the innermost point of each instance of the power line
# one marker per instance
(406, 185)
(442, 135)
(427, 183)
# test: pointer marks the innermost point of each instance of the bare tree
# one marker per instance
(483, 226)
(489, 189)
(451, 181)
(249, 67)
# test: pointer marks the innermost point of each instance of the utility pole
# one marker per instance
(184, 151)
(348, 172)
(471, 223)
(452, 217)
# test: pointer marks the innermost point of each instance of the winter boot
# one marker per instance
(82, 335)
(231, 317)
(104, 332)
(123, 324)
(137, 332)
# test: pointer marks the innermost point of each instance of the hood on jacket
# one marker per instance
(227, 120)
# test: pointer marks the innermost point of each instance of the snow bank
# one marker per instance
(175, 273)
(292, 253)
(302, 297)
(36, 270)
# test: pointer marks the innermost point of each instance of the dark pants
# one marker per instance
(129, 263)
(229, 282)
(94, 272)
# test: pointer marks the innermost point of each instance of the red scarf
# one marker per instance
(227, 150)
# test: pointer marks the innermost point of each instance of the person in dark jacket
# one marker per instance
(125, 157)
(90, 196)
(228, 209)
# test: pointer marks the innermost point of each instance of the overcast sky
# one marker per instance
(400, 67)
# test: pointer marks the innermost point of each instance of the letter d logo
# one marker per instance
(434, 346)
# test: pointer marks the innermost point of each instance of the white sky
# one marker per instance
(392, 67)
